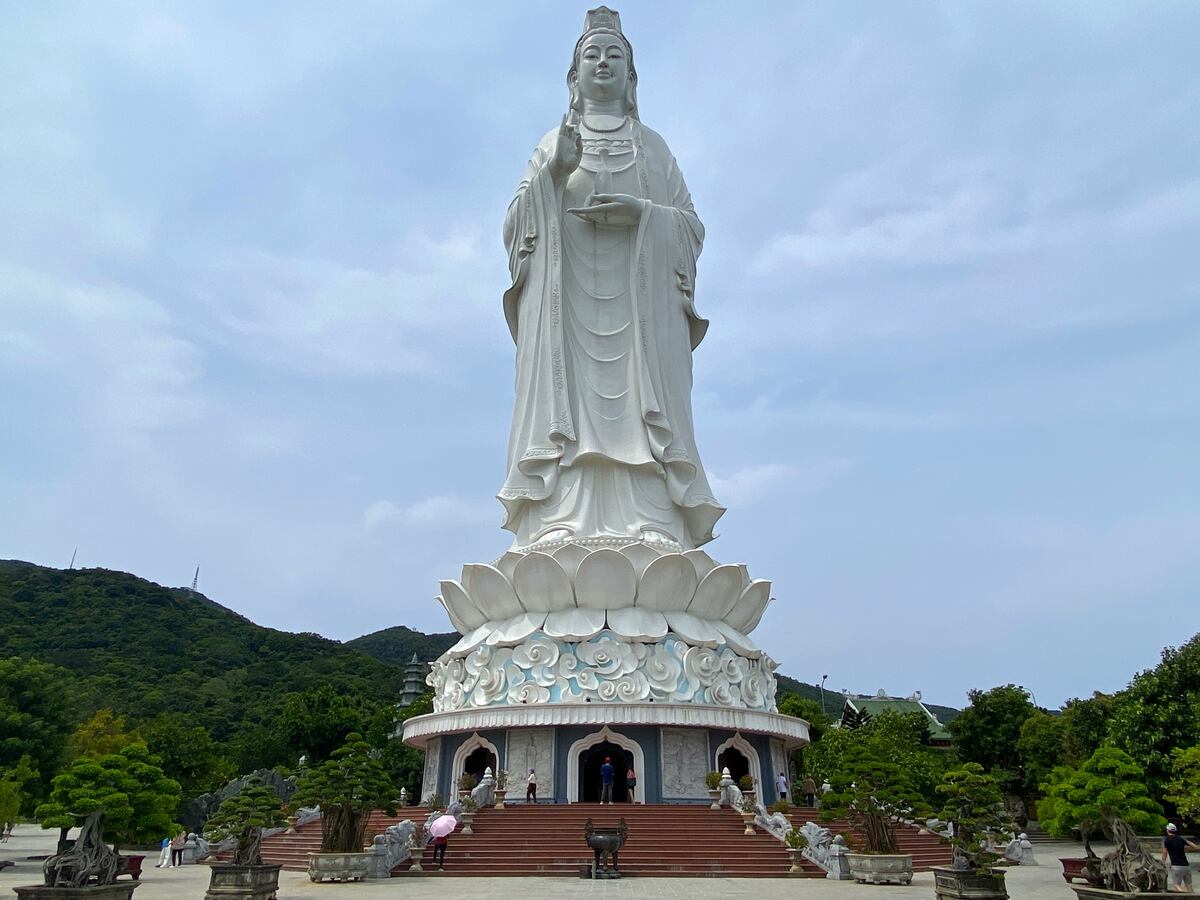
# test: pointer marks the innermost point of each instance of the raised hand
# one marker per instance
(614, 210)
(568, 149)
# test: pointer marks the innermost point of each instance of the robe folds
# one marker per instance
(604, 321)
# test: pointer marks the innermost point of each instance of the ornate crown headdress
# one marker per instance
(603, 20)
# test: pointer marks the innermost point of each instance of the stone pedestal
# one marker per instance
(120, 890)
(960, 884)
(881, 868)
(338, 866)
(229, 882)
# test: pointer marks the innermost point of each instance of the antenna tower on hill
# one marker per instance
(195, 579)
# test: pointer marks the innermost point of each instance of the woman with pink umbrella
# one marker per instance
(440, 828)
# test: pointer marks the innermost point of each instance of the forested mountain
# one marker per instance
(143, 649)
(397, 645)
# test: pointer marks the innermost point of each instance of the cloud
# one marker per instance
(751, 484)
(441, 511)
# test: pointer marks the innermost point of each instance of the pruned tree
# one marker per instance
(243, 817)
(347, 786)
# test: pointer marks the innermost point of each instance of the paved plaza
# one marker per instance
(1042, 882)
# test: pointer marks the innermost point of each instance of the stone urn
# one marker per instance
(467, 818)
(881, 868)
(750, 797)
(501, 793)
(338, 866)
(715, 797)
(796, 854)
(291, 824)
(967, 884)
(748, 821)
(231, 882)
(416, 854)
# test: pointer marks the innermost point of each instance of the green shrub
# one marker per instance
(713, 780)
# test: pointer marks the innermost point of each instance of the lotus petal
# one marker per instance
(638, 624)
(574, 624)
(693, 630)
(470, 641)
(464, 614)
(701, 560)
(512, 631)
(542, 584)
(748, 610)
(605, 580)
(569, 557)
(668, 583)
(717, 593)
(640, 555)
(491, 591)
(508, 563)
(738, 641)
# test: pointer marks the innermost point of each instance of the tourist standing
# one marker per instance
(164, 854)
(606, 780)
(531, 787)
(177, 844)
(631, 782)
(810, 791)
(1175, 849)
(781, 785)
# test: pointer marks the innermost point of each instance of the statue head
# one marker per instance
(602, 65)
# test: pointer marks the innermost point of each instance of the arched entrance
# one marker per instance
(479, 760)
(622, 749)
(735, 761)
(590, 761)
(742, 759)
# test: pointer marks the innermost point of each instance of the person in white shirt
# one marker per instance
(782, 784)
(531, 787)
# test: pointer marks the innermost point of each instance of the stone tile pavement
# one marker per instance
(1043, 882)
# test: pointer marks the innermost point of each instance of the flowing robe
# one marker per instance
(602, 441)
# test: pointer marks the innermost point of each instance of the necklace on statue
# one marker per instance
(602, 123)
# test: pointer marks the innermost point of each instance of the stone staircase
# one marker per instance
(547, 840)
(927, 850)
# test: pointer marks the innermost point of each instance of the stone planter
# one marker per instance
(118, 890)
(749, 797)
(715, 797)
(291, 824)
(230, 882)
(748, 821)
(881, 868)
(1087, 892)
(795, 854)
(1075, 868)
(501, 793)
(417, 853)
(967, 884)
(467, 818)
(338, 866)
(463, 795)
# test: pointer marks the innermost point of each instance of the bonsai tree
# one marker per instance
(137, 800)
(746, 782)
(347, 786)
(244, 816)
(1108, 785)
(873, 794)
(466, 781)
(974, 804)
(795, 839)
(713, 780)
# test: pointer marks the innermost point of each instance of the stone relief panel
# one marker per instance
(684, 762)
(433, 759)
(530, 748)
(779, 764)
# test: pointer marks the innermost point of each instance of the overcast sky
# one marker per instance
(250, 280)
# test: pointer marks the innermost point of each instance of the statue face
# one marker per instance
(603, 67)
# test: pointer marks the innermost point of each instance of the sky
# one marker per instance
(250, 318)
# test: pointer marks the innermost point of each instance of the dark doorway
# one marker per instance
(479, 760)
(590, 761)
(735, 761)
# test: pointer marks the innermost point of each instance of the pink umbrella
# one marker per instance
(443, 825)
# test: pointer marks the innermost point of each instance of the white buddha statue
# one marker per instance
(602, 243)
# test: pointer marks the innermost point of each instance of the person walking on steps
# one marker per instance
(810, 791)
(439, 852)
(531, 787)
(606, 780)
(1175, 848)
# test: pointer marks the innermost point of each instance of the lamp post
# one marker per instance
(823, 677)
